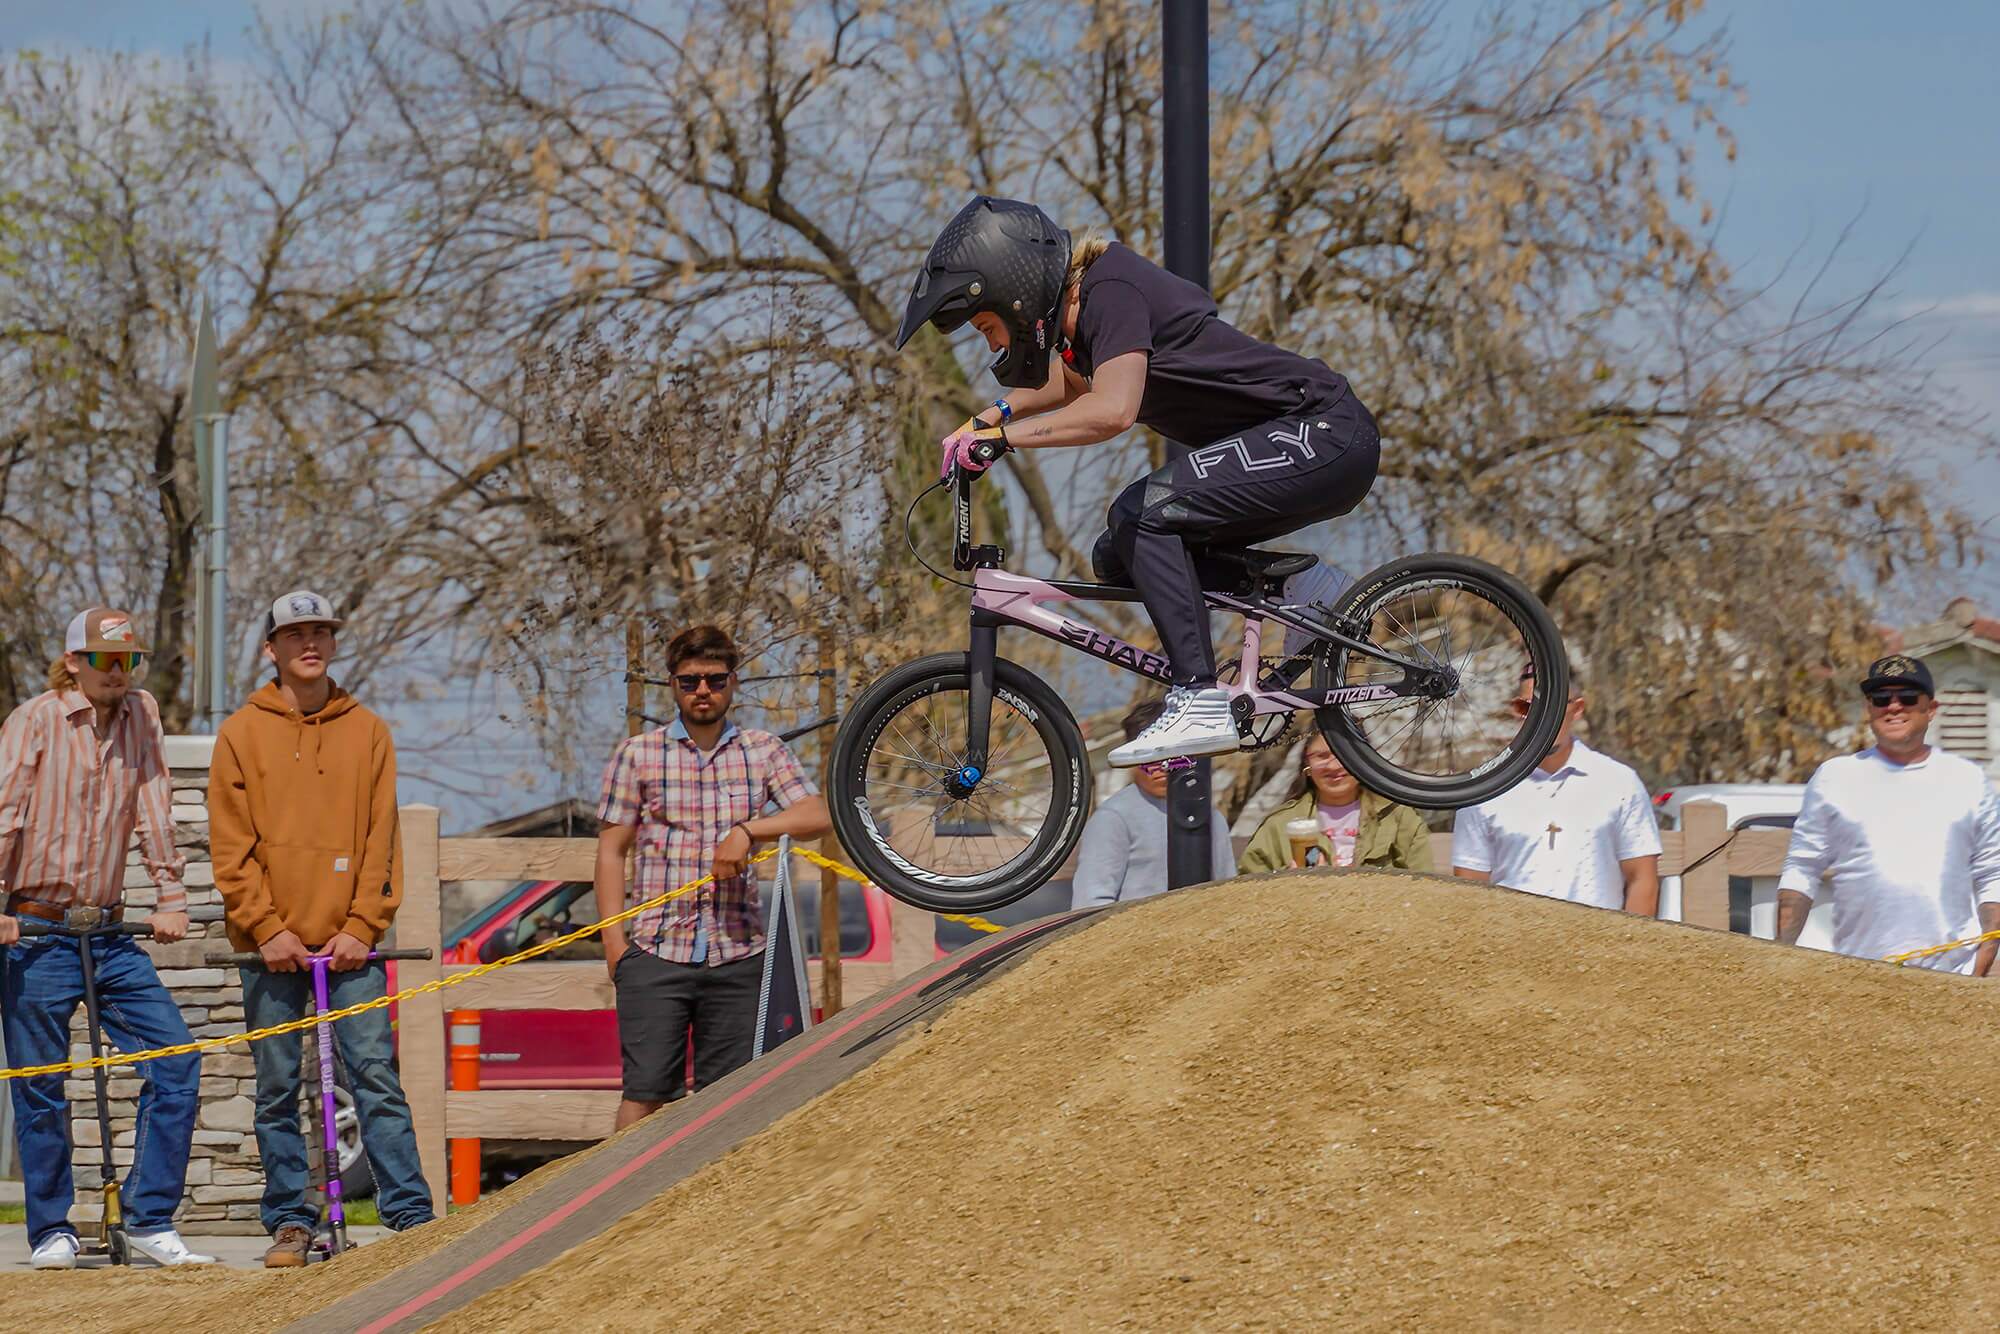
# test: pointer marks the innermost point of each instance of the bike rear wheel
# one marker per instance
(898, 816)
(1480, 625)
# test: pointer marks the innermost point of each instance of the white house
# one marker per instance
(1963, 652)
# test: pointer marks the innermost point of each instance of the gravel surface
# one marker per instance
(1361, 1100)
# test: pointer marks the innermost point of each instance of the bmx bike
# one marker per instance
(960, 781)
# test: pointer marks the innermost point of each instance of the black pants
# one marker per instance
(659, 1002)
(1271, 480)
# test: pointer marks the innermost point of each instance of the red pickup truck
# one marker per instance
(579, 1048)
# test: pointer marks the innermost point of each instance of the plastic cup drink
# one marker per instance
(1303, 835)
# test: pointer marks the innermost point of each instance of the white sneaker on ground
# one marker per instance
(165, 1247)
(57, 1251)
(1191, 722)
(1321, 586)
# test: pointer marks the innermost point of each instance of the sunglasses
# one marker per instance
(689, 682)
(1882, 699)
(129, 663)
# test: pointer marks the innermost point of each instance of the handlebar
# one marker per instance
(252, 959)
(36, 926)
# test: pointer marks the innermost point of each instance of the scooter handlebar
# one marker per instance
(36, 926)
(252, 959)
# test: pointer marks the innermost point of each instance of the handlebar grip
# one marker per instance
(35, 926)
(988, 451)
(399, 954)
(249, 959)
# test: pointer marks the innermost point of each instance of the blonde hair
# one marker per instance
(60, 678)
(1085, 251)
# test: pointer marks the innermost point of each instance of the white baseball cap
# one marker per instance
(300, 607)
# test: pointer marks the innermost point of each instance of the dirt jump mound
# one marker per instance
(1370, 1100)
(1365, 1099)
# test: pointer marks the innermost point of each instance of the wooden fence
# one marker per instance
(1703, 842)
(441, 1113)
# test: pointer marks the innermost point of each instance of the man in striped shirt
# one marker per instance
(81, 766)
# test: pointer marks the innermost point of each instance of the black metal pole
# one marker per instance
(1184, 146)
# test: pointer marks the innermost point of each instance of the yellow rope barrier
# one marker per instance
(1945, 948)
(448, 980)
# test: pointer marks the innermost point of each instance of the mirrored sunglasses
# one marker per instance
(128, 662)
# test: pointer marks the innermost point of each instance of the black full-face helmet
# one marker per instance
(1003, 256)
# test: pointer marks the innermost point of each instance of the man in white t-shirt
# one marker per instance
(1581, 826)
(1910, 837)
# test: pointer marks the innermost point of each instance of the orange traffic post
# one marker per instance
(464, 1078)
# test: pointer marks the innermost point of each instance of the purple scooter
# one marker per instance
(334, 1222)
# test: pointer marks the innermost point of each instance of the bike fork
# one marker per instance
(114, 1213)
(978, 702)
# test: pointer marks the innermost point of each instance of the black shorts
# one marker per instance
(660, 1003)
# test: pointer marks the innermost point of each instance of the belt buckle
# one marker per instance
(82, 917)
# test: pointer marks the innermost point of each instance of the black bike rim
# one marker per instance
(911, 817)
(1467, 629)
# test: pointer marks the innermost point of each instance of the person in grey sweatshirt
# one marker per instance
(1123, 854)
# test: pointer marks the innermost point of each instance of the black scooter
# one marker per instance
(84, 925)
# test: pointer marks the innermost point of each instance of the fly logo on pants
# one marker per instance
(1211, 457)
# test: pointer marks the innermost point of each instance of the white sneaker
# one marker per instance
(57, 1251)
(1192, 722)
(165, 1247)
(1321, 587)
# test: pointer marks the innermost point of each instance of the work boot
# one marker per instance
(288, 1247)
(1194, 720)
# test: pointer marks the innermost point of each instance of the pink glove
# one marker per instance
(958, 450)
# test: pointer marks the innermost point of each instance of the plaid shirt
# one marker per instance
(69, 801)
(683, 802)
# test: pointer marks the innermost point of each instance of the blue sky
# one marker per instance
(1880, 118)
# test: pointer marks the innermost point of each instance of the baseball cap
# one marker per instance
(300, 607)
(1898, 670)
(103, 630)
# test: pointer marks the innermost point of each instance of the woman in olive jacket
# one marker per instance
(1367, 828)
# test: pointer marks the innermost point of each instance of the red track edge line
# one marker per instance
(520, 1239)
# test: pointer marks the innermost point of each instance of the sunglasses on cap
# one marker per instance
(124, 660)
(689, 682)
(1882, 699)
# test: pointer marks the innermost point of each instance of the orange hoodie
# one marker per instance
(302, 822)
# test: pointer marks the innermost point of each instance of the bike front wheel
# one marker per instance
(914, 831)
(1485, 635)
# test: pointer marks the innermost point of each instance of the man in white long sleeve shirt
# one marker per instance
(1910, 837)
(1123, 854)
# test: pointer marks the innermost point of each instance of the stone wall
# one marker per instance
(225, 1179)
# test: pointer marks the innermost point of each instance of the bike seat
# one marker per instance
(1261, 564)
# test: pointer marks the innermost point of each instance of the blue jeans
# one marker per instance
(365, 1045)
(40, 987)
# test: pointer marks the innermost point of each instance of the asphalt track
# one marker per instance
(668, 1146)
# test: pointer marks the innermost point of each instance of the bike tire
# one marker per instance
(1532, 739)
(1051, 843)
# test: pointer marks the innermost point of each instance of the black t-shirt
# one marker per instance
(1205, 379)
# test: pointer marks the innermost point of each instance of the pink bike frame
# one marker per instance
(1013, 599)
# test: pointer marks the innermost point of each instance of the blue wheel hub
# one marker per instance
(963, 780)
